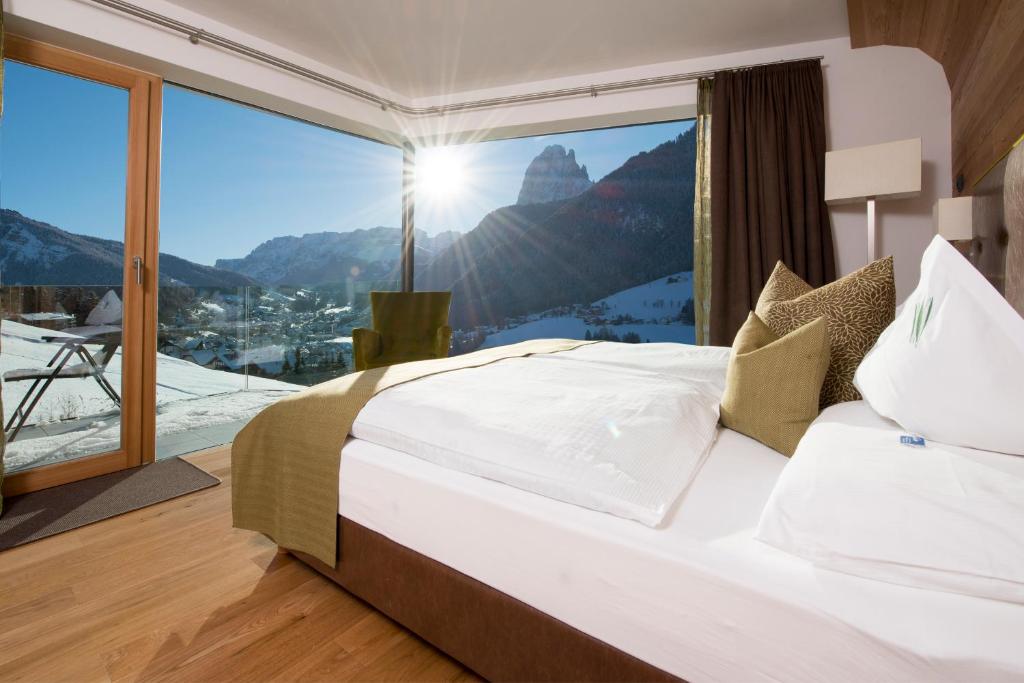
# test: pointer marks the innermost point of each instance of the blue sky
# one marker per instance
(233, 177)
(493, 171)
(63, 145)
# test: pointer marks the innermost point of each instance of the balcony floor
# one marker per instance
(196, 407)
(183, 426)
(167, 446)
(173, 445)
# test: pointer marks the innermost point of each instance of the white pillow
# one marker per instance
(853, 499)
(950, 367)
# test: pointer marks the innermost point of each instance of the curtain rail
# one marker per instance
(196, 35)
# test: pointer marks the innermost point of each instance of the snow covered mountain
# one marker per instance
(632, 227)
(332, 257)
(552, 176)
(37, 253)
(654, 311)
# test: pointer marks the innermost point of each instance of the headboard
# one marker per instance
(998, 250)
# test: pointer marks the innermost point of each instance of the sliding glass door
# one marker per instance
(74, 217)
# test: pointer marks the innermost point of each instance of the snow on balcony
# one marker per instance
(196, 406)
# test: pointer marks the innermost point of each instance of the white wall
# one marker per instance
(890, 93)
(872, 95)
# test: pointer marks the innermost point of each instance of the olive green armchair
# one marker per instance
(407, 326)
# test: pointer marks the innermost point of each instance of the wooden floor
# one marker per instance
(172, 592)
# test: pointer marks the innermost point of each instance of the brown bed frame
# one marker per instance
(498, 637)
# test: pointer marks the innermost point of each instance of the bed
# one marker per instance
(522, 586)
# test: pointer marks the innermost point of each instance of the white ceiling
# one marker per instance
(424, 48)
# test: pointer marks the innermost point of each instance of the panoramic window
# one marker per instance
(62, 230)
(273, 232)
(585, 235)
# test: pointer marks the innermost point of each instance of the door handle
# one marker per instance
(137, 264)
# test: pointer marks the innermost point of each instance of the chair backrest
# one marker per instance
(404, 317)
(109, 341)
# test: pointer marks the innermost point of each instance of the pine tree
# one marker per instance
(686, 314)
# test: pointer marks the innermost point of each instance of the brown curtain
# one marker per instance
(767, 186)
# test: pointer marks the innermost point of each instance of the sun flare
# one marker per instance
(441, 173)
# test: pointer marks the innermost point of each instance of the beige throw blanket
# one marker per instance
(284, 464)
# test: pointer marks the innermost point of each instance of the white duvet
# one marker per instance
(619, 428)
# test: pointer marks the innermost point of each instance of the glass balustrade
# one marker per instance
(223, 354)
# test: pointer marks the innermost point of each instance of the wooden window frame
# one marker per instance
(142, 194)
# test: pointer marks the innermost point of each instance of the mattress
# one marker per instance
(698, 597)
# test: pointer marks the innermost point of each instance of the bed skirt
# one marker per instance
(498, 637)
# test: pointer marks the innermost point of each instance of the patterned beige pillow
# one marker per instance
(857, 307)
(783, 285)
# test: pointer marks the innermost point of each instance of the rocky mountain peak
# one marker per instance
(552, 176)
(36, 253)
(331, 257)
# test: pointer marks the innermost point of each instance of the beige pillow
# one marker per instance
(858, 307)
(772, 384)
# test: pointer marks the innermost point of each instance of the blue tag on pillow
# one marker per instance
(908, 440)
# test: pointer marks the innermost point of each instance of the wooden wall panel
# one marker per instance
(980, 44)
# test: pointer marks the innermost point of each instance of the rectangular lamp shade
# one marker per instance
(954, 218)
(891, 170)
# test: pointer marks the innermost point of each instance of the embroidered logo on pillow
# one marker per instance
(922, 314)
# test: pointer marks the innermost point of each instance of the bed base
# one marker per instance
(497, 636)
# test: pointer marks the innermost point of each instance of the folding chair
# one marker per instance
(109, 339)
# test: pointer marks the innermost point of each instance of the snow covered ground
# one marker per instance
(75, 418)
(651, 303)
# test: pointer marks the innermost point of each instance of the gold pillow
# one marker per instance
(772, 384)
(858, 307)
